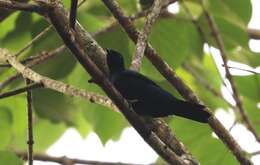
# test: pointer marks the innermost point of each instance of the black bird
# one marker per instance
(146, 97)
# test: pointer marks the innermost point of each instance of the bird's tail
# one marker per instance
(192, 111)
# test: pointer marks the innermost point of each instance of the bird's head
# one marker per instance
(115, 61)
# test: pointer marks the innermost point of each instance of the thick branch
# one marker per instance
(20, 6)
(4, 13)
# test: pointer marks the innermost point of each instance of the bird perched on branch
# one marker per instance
(146, 97)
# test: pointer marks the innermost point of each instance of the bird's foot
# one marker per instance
(131, 101)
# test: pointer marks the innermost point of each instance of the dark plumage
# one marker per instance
(146, 97)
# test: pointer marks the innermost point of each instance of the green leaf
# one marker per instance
(172, 39)
(105, 122)
(245, 56)
(46, 133)
(52, 67)
(233, 35)
(252, 111)
(7, 25)
(249, 86)
(238, 11)
(91, 22)
(20, 35)
(118, 40)
(54, 106)
(5, 127)
(199, 140)
(17, 106)
(7, 157)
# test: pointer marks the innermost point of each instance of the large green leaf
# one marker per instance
(249, 86)
(199, 140)
(231, 19)
(54, 106)
(20, 35)
(51, 68)
(253, 111)
(46, 133)
(118, 40)
(5, 127)
(176, 41)
(238, 11)
(7, 157)
(105, 122)
(245, 56)
(17, 106)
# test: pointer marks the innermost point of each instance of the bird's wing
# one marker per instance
(133, 85)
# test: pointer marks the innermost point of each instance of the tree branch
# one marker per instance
(7, 4)
(4, 13)
(67, 161)
(143, 36)
(53, 84)
(30, 141)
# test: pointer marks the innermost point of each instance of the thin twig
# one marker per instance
(220, 44)
(171, 76)
(36, 38)
(254, 33)
(242, 69)
(20, 90)
(255, 153)
(30, 140)
(73, 13)
(68, 161)
(143, 36)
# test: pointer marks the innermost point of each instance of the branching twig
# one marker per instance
(255, 153)
(73, 13)
(30, 140)
(220, 44)
(36, 38)
(38, 59)
(242, 69)
(68, 161)
(56, 85)
(143, 36)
